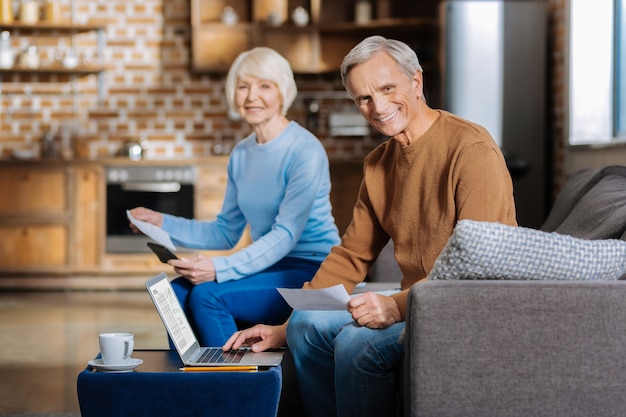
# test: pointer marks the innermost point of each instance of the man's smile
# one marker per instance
(387, 118)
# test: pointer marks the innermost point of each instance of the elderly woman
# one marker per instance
(279, 185)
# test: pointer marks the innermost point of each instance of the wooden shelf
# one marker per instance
(80, 70)
(51, 27)
(382, 24)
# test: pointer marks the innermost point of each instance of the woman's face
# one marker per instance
(257, 100)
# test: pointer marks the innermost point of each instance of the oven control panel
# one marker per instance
(123, 174)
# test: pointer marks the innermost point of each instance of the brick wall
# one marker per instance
(149, 93)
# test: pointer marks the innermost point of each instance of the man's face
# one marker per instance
(385, 96)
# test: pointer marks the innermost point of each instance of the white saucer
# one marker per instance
(127, 367)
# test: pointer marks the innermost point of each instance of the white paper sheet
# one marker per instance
(153, 232)
(333, 298)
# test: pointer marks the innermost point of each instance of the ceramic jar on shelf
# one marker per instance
(52, 11)
(29, 12)
(6, 11)
(362, 12)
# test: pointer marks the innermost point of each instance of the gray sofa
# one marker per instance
(516, 348)
(548, 338)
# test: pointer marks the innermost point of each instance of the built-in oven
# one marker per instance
(168, 189)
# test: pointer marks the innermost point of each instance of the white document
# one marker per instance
(153, 232)
(333, 298)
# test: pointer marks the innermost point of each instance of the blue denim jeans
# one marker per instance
(217, 310)
(345, 369)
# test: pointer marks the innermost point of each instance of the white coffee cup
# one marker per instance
(116, 348)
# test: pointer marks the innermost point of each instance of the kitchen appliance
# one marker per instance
(494, 74)
(168, 189)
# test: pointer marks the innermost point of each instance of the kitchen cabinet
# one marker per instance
(33, 218)
(44, 227)
(209, 196)
(86, 249)
(346, 177)
(317, 47)
(210, 188)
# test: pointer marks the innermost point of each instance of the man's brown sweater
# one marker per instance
(415, 195)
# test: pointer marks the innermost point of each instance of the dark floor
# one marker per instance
(47, 338)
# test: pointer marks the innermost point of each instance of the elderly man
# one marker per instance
(435, 170)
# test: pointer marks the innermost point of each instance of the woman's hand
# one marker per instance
(197, 270)
(146, 215)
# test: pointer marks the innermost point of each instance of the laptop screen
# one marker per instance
(172, 314)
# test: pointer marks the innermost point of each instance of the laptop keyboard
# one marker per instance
(217, 355)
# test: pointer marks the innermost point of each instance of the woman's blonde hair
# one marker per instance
(266, 64)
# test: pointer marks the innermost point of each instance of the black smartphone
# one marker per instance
(162, 252)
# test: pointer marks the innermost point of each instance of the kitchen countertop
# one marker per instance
(119, 161)
(113, 161)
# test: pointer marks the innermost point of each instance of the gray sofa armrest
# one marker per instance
(516, 348)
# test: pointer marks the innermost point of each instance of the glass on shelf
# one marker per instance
(30, 58)
(300, 16)
(7, 54)
(70, 59)
(229, 16)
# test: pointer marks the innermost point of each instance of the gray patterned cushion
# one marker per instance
(483, 250)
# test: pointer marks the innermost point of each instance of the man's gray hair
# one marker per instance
(405, 57)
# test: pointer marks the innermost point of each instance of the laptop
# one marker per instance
(185, 341)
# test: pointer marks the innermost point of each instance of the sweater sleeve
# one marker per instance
(349, 262)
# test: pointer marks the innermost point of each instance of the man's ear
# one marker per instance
(418, 83)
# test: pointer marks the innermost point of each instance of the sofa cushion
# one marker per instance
(577, 185)
(484, 250)
(591, 205)
(600, 213)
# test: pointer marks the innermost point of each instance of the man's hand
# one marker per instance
(375, 311)
(197, 270)
(260, 337)
(146, 215)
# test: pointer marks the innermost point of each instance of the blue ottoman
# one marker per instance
(158, 388)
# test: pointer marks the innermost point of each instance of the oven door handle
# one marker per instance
(154, 187)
